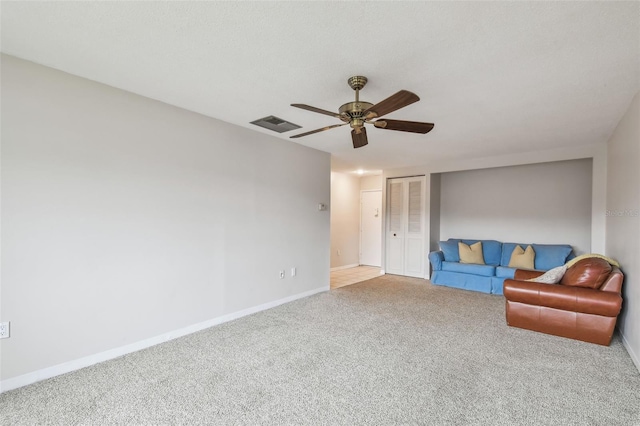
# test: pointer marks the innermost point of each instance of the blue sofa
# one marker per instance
(448, 271)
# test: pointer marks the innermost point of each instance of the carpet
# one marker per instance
(391, 350)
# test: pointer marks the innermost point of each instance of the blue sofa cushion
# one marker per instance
(491, 250)
(450, 250)
(549, 256)
(505, 272)
(468, 268)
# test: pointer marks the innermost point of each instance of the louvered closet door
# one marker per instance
(405, 226)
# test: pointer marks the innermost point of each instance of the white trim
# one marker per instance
(627, 346)
(339, 268)
(77, 364)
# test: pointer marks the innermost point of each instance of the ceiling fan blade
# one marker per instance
(392, 103)
(359, 139)
(318, 110)
(317, 130)
(404, 126)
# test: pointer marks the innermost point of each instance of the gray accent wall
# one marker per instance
(434, 211)
(623, 219)
(124, 218)
(546, 203)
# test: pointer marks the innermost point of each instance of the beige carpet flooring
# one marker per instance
(387, 351)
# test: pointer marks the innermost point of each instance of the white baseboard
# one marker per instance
(338, 268)
(77, 364)
(633, 355)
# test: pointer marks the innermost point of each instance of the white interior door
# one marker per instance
(405, 226)
(371, 228)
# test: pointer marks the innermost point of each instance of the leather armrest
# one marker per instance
(614, 282)
(526, 274)
(573, 299)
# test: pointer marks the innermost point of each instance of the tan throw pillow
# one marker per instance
(471, 254)
(522, 259)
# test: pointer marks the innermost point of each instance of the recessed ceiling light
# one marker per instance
(360, 171)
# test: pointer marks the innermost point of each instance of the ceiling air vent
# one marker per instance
(276, 124)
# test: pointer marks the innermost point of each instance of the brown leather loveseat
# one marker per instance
(583, 306)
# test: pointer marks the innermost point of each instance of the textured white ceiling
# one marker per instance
(495, 78)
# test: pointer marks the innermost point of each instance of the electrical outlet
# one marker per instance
(293, 271)
(4, 330)
(282, 274)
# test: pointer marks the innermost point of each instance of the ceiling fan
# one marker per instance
(358, 113)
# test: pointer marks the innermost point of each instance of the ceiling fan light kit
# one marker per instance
(358, 113)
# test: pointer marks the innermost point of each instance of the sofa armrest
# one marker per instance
(526, 274)
(566, 298)
(436, 258)
(614, 282)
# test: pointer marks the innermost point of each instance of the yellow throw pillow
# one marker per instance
(471, 254)
(522, 259)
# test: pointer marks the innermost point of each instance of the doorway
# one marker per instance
(371, 228)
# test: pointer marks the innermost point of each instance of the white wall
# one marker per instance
(345, 220)
(623, 221)
(125, 218)
(535, 203)
(370, 183)
(371, 245)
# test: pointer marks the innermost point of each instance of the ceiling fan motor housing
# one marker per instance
(352, 111)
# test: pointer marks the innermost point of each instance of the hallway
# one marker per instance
(348, 276)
